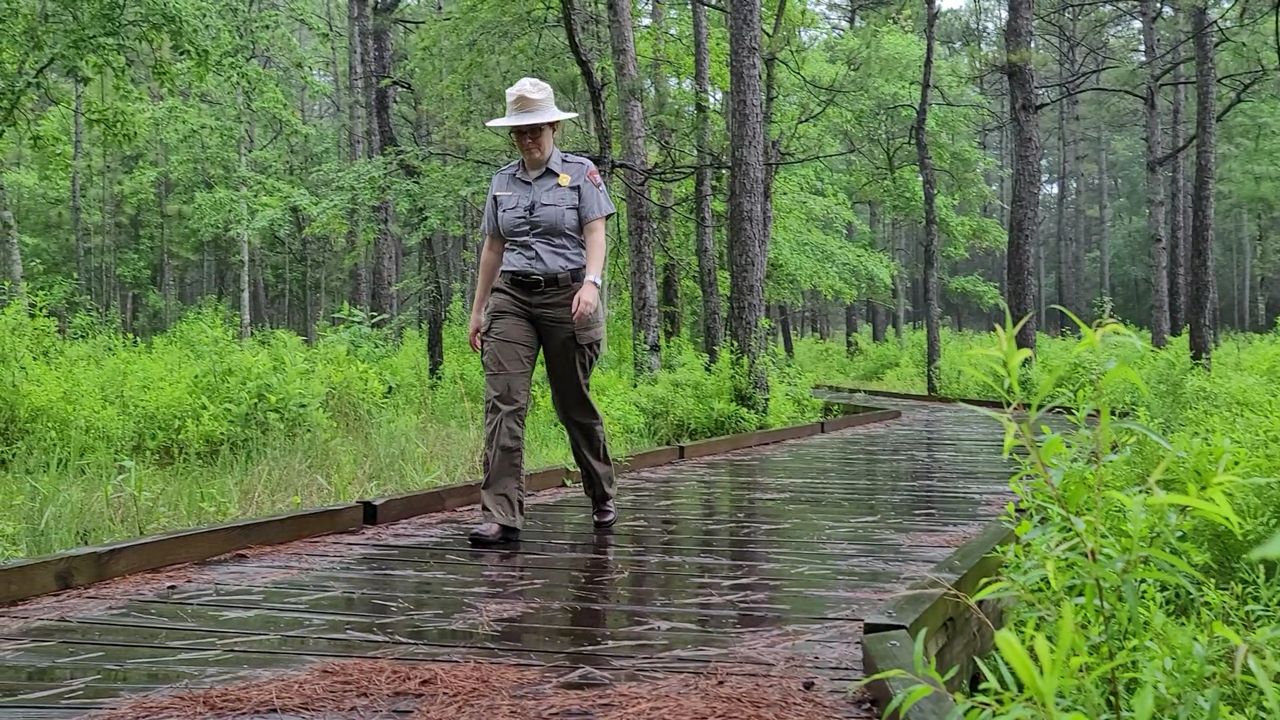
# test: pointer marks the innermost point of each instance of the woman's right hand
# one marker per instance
(473, 330)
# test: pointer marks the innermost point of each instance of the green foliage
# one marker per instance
(104, 437)
(1141, 585)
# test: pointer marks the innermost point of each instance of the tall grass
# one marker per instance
(104, 437)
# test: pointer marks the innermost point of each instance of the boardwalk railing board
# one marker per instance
(913, 396)
(649, 458)
(77, 568)
(84, 566)
(955, 631)
(717, 445)
(865, 418)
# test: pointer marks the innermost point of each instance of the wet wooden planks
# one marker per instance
(760, 562)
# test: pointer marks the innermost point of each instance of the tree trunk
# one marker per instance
(1155, 187)
(1104, 216)
(1070, 182)
(432, 297)
(1025, 197)
(1202, 205)
(358, 295)
(1077, 296)
(784, 320)
(246, 314)
(260, 303)
(671, 310)
(381, 96)
(644, 281)
(933, 352)
(772, 146)
(1177, 214)
(1062, 235)
(748, 245)
(595, 86)
(851, 329)
(9, 241)
(708, 279)
(77, 215)
(901, 283)
(672, 326)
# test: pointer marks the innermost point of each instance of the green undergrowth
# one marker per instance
(104, 437)
(1145, 582)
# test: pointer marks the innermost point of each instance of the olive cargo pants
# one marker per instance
(517, 322)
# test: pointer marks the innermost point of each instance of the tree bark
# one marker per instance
(1155, 186)
(381, 97)
(1104, 216)
(77, 215)
(260, 303)
(1025, 197)
(748, 245)
(671, 310)
(9, 240)
(168, 276)
(933, 351)
(432, 297)
(901, 283)
(246, 314)
(708, 279)
(1202, 205)
(644, 281)
(784, 322)
(851, 329)
(1177, 214)
(358, 295)
(595, 86)
(1258, 280)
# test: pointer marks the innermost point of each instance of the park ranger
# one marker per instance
(539, 281)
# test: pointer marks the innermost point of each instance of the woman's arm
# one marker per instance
(588, 297)
(490, 263)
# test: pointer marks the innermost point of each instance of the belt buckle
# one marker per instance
(542, 283)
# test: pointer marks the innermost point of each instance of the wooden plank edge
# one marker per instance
(932, 606)
(928, 603)
(892, 650)
(84, 566)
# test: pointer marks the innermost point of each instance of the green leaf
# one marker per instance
(1269, 550)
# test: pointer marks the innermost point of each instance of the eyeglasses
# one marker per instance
(531, 131)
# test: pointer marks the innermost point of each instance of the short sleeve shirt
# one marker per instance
(540, 219)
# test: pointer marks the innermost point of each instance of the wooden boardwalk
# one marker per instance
(759, 562)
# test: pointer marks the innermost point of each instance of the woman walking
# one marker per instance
(539, 289)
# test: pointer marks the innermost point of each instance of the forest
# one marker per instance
(239, 239)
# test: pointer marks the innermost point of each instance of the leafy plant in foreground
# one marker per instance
(1115, 611)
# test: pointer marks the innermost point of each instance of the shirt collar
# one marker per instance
(554, 164)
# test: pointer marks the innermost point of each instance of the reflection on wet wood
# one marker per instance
(760, 561)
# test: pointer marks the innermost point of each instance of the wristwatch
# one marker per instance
(594, 280)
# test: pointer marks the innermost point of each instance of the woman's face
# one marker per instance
(534, 142)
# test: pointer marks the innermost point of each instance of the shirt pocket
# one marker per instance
(513, 216)
(561, 207)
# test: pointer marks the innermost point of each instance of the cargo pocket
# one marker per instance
(590, 330)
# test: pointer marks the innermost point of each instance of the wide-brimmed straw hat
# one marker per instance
(530, 102)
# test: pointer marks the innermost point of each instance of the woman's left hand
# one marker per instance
(585, 301)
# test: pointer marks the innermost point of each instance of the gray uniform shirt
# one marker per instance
(540, 219)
